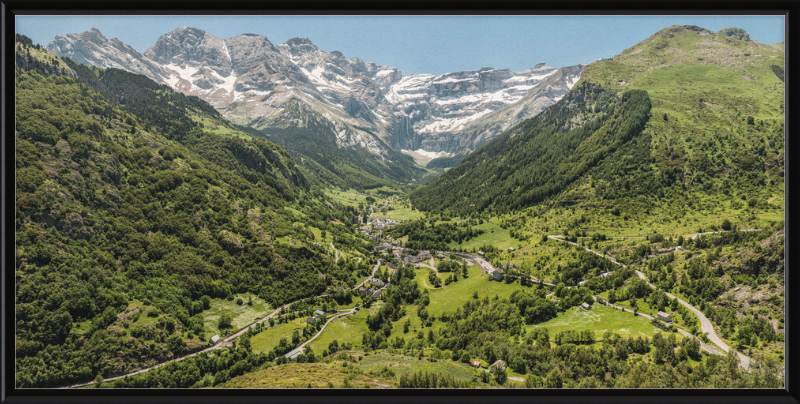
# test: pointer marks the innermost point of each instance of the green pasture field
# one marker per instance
(242, 315)
(598, 319)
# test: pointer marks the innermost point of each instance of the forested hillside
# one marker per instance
(714, 128)
(130, 208)
(312, 140)
(540, 157)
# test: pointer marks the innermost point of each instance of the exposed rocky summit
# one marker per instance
(92, 48)
(250, 80)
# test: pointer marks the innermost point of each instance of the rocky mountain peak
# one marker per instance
(190, 45)
(94, 33)
(93, 48)
(298, 41)
(300, 46)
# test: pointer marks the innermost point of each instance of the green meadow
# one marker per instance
(450, 297)
(264, 341)
(348, 329)
(493, 234)
(242, 315)
(598, 319)
(401, 364)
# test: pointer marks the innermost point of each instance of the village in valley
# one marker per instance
(621, 228)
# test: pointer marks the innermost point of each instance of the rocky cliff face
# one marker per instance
(250, 80)
(92, 48)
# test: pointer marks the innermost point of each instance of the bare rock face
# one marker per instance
(191, 46)
(92, 48)
(253, 82)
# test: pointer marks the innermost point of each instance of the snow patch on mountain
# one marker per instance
(429, 154)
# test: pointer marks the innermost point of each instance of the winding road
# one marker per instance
(705, 324)
(299, 349)
(222, 343)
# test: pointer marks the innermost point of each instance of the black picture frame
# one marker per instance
(10, 8)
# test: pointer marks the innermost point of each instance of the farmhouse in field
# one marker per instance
(215, 339)
(476, 364)
(586, 306)
(500, 364)
(498, 274)
(665, 317)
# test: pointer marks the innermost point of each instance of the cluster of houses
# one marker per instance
(375, 236)
(381, 222)
(366, 291)
(317, 315)
(498, 364)
(413, 259)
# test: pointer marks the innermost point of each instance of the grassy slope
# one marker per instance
(301, 375)
(449, 298)
(242, 315)
(346, 329)
(401, 364)
(264, 341)
(599, 319)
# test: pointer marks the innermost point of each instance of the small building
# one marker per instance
(481, 253)
(586, 306)
(424, 254)
(362, 291)
(294, 353)
(511, 249)
(498, 274)
(382, 247)
(377, 282)
(319, 313)
(413, 258)
(341, 289)
(665, 317)
(476, 364)
(311, 320)
(500, 364)
(215, 339)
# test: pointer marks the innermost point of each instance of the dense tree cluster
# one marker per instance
(423, 235)
(541, 156)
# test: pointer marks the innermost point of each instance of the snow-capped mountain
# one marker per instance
(366, 105)
(94, 49)
(443, 109)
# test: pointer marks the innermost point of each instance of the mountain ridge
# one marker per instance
(404, 114)
(716, 121)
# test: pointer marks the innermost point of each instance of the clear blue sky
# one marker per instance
(420, 44)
